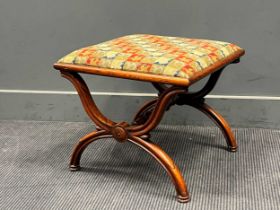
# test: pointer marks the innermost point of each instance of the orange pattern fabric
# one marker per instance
(161, 55)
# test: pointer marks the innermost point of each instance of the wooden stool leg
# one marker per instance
(196, 99)
(168, 164)
(157, 109)
(102, 123)
(123, 131)
(220, 122)
(81, 146)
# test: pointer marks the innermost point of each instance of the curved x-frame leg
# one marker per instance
(168, 164)
(124, 132)
(220, 122)
(82, 145)
(208, 111)
(196, 100)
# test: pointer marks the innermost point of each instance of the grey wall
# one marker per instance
(35, 33)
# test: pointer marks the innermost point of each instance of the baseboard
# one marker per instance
(240, 111)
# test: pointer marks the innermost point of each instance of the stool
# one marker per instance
(171, 64)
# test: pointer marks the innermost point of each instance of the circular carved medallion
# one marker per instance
(119, 133)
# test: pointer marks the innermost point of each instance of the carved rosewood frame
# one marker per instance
(146, 119)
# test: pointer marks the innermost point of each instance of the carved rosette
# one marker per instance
(119, 132)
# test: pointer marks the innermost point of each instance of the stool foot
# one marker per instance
(74, 167)
(232, 149)
(183, 199)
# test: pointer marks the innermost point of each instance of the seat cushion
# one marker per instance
(160, 55)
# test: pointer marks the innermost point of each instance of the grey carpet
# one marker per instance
(34, 169)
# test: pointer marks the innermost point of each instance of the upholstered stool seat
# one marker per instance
(183, 59)
(161, 60)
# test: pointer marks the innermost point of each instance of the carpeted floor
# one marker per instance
(34, 169)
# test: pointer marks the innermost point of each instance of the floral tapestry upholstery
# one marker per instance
(161, 55)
